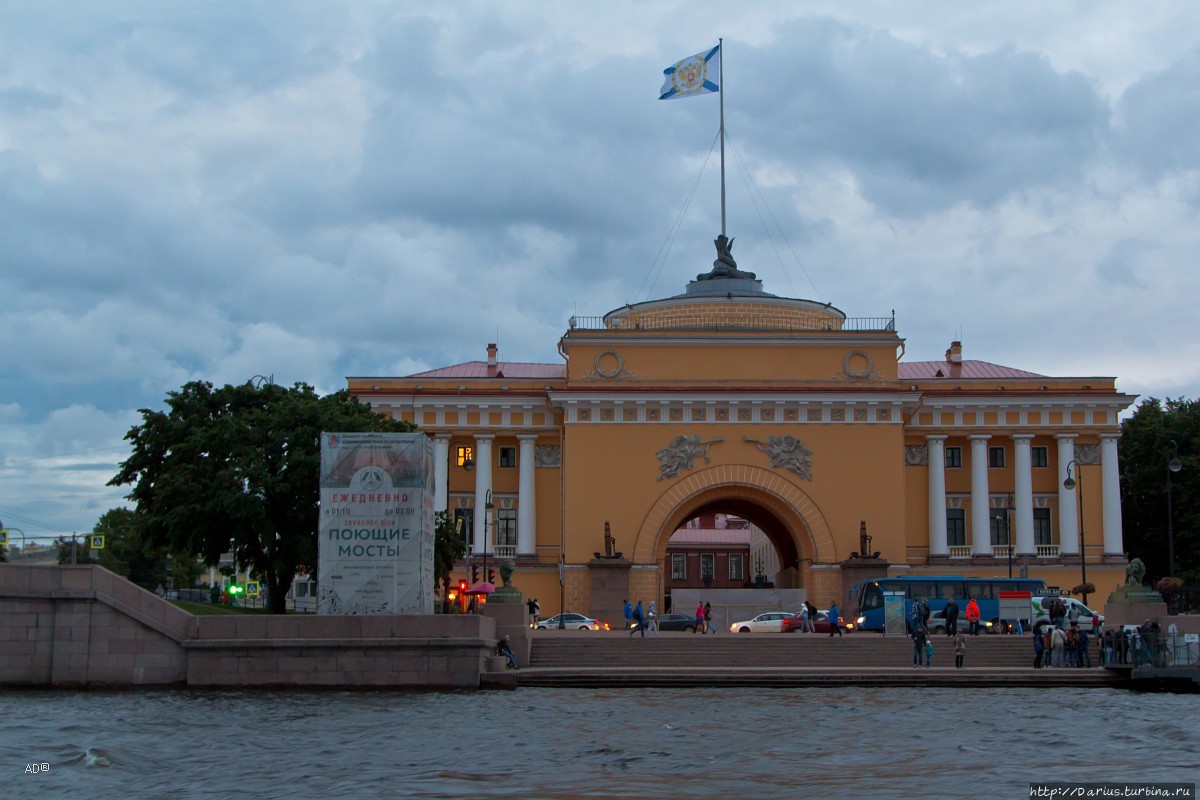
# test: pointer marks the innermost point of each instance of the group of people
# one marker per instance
(704, 618)
(918, 625)
(1068, 645)
(639, 619)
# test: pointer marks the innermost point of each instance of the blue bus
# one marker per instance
(867, 597)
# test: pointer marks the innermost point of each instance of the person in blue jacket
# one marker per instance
(835, 620)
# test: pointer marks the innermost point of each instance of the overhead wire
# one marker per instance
(664, 251)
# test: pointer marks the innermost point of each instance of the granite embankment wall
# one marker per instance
(84, 626)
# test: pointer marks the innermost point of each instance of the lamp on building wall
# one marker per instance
(1069, 484)
(1174, 465)
(1008, 532)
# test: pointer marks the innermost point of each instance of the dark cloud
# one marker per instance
(1159, 119)
(922, 131)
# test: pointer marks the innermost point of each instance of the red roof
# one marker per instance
(689, 536)
(931, 370)
(504, 369)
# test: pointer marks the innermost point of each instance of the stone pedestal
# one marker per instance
(1133, 605)
(610, 590)
(857, 570)
(511, 619)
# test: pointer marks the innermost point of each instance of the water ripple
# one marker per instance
(569, 744)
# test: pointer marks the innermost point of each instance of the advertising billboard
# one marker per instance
(376, 530)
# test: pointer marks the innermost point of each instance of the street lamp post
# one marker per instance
(1174, 465)
(487, 512)
(1008, 532)
(1070, 484)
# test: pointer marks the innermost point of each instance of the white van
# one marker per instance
(1075, 610)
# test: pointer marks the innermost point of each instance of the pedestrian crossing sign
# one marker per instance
(252, 588)
(97, 542)
(3, 537)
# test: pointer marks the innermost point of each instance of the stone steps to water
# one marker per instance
(567, 649)
(682, 660)
(783, 677)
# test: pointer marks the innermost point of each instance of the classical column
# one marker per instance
(441, 472)
(526, 498)
(1068, 518)
(1114, 538)
(938, 546)
(981, 525)
(1023, 484)
(483, 487)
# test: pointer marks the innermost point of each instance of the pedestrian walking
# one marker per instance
(708, 626)
(960, 649)
(639, 621)
(928, 652)
(699, 627)
(628, 615)
(835, 621)
(805, 621)
(1038, 650)
(535, 611)
(652, 619)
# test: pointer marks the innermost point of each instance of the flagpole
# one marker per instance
(721, 91)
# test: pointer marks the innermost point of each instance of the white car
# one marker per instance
(571, 622)
(769, 622)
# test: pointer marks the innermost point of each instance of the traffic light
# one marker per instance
(491, 576)
(462, 586)
(474, 574)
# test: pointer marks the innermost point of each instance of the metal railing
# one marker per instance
(1151, 650)
(854, 324)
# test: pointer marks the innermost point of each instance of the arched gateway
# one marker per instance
(768, 500)
(784, 412)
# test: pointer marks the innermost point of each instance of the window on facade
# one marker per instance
(508, 457)
(735, 567)
(678, 567)
(506, 527)
(956, 527)
(1041, 526)
(995, 457)
(953, 457)
(1040, 456)
(464, 455)
(999, 523)
(707, 565)
(464, 519)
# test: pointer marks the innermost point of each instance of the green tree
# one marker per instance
(449, 546)
(127, 553)
(1145, 450)
(236, 469)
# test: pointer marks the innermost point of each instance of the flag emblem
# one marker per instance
(698, 74)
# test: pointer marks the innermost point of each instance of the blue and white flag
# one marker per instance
(698, 74)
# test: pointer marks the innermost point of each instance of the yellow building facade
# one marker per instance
(784, 412)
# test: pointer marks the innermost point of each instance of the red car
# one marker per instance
(821, 624)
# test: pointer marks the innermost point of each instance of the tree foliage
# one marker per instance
(1145, 451)
(449, 546)
(128, 554)
(236, 469)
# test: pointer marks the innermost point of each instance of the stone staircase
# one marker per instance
(579, 658)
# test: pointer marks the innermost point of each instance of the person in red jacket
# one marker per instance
(973, 616)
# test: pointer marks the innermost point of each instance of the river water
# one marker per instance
(565, 743)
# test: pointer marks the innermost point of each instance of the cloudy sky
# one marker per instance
(227, 189)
